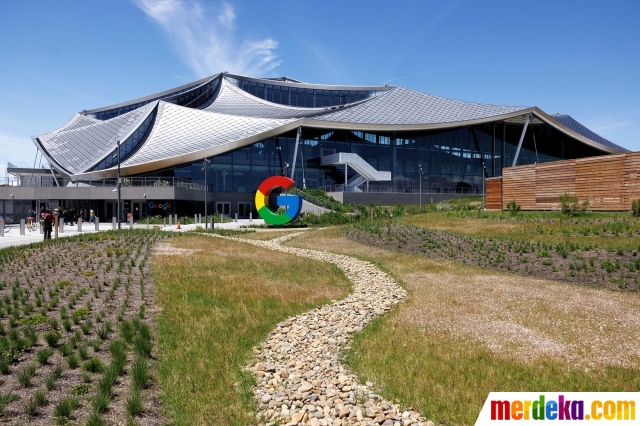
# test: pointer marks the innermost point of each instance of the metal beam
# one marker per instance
(524, 130)
(295, 152)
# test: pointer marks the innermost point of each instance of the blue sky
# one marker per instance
(575, 57)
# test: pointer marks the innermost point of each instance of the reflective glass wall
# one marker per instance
(301, 97)
(453, 160)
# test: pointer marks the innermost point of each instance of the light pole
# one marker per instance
(119, 186)
(420, 185)
(146, 209)
(205, 163)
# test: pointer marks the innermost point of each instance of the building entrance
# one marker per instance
(244, 210)
(223, 207)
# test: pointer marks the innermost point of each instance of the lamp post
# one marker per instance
(420, 185)
(205, 163)
(145, 207)
(119, 186)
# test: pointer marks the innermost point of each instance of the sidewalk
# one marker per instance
(13, 237)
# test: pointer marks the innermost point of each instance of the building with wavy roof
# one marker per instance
(363, 143)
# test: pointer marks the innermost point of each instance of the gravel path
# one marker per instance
(300, 380)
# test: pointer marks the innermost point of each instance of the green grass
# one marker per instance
(606, 230)
(217, 304)
(447, 379)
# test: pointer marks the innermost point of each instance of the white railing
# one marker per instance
(49, 181)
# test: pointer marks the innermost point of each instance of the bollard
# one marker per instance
(40, 226)
(22, 227)
(212, 222)
(61, 225)
(236, 217)
(164, 222)
(79, 224)
(55, 226)
(170, 220)
(2, 228)
(200, 218)
(195, 219)
(220, 217)
(97, 223)
(115, 226)
(131, 222)
(175, 218)
(250, 217)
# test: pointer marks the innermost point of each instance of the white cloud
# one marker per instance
(204, 38)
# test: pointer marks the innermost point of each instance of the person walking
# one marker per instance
(49, 220)
(92, 216)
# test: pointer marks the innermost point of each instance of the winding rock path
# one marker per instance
(300, 380)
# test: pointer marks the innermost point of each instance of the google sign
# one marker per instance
(292, 203)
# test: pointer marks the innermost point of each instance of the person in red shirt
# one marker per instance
(49, 219)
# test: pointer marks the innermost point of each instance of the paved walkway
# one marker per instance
(13, 237)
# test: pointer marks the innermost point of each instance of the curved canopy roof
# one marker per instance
(232, 118)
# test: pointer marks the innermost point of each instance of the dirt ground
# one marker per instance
(106, 277)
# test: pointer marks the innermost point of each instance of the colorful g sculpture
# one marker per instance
(292, 203)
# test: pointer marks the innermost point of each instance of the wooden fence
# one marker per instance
(608, 182)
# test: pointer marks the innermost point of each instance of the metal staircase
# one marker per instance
(366, 172)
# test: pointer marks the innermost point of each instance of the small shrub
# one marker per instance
(43, 355)
(6, 399)
(64, 283)
(31, 407)
(140, 373)
(72, 361)
(635, 207)
(49, 383)
(40, 397)
(63, 411)
(100, 402)
(513, 208)
(66, 349)
(80, 312)
(570, 206)
(95, 420)
(34, 320)
(26, 374)
(80, 389)
(135, 402)
(52, 338)
(94, 365)
(53, 322)
(83, 352)
(89, 273)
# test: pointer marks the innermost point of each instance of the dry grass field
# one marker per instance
(218, 300)
(466, 331)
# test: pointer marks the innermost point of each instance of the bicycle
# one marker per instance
(32, 225)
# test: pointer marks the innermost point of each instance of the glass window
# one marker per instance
(241, 179)
(242, 156)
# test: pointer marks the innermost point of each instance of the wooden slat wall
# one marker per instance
(609, 182)
(494, 193)
(519, 183)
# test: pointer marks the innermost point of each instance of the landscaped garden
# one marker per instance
(467, 330)
(133, 327)
(77, 336)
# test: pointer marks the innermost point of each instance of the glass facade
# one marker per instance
(129, 146)
(191, 97)
(301, 97)
(448, 160)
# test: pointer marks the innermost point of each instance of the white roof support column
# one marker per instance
(524, 130)
(295, 152)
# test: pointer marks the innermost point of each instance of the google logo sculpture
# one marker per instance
(292, 203)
